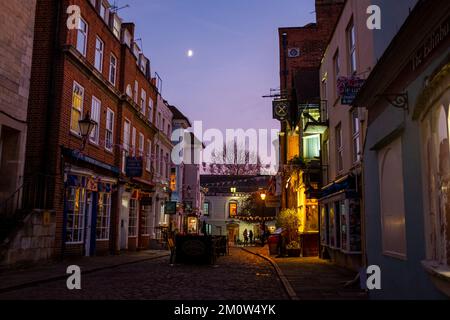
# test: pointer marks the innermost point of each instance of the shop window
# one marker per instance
(233, 207)
(76, 207)
(392, 199)
(436, 133)
(132, 219)
(324, 229)
(331, 225)
(103, 215)
(77, 108)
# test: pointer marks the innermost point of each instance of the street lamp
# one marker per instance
(233, 190)
(86, 126)
(263, 196)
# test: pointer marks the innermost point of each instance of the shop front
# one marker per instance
(88, 212)
(340, 224)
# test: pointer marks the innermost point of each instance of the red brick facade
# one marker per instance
(99, 172)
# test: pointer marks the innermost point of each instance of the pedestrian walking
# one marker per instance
(245, 237)
(250, 236)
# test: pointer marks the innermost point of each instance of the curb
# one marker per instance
(287, 286)
(88, 271)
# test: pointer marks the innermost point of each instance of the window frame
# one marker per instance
(109, 131)
(133, 227)
(94, 137)
(351, 46)
(112, 66)
(99, 54)
(104, 230)
(85, 35)
(80, 230)
(77, 131)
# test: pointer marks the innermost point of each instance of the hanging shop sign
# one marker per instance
(170, 207)
(280, 109)
(348, 88)
(133, 167)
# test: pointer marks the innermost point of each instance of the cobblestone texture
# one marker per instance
(239, 276)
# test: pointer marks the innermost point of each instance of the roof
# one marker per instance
(178, 115)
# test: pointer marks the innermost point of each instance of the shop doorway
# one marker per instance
(88, 246)
(233, 233)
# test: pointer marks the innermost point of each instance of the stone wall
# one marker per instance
(33, 241)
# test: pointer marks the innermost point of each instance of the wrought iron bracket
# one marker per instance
(397, 100)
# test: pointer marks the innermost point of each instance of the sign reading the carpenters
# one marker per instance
(134, 167)
(280, 108)
(348, 88)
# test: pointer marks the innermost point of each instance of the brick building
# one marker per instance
(301, 50)
(103, 192)
(16, 44)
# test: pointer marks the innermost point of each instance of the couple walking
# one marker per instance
(248, 235)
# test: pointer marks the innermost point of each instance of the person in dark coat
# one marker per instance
(250, 236)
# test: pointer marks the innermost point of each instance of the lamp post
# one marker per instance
(86, 126)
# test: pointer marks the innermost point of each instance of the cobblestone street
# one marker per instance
(240, 275)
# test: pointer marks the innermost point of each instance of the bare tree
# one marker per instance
(234, 159)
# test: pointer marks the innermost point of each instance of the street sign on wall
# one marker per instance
(348, 88)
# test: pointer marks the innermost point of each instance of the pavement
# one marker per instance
(311, 278)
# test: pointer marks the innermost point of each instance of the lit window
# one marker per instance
(76, 206)
(146, 218)
(173, 180)
(77, 108)
(95, 116)
(103, 216)
(99, 47)
(233, 209)
(82, 37)
(132, 220)
(109, 130)
(311, 147)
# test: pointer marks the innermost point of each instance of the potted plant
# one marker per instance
(289, 220)
(293, 249)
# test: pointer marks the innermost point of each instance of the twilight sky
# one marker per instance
(235, 62)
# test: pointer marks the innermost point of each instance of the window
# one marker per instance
(113, 70)
(356, 136)
(77, 108)
(146, 216)
(99, 48)
(311, 147)
(325, 160)
(206, 208)
(351, 44)
(132, 220)
(104, 12)
(337, 70)
(168, 130)
(76, 204)
(109, 141)
(143, 101)
(117, 26)
(150, 110)
(163, 125)
(133, 142)
(173, 179)
(161, 160)
(129, 91)
(339, 149)
(141, 145)
(158, 120)
(436, 175)
(136, 91)
(167, 159)
(82, 35)
(157, 159)
(103, 216)
(148, 162)
(392, 205)
(233, 209)
(95, 116)
(126, 143)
